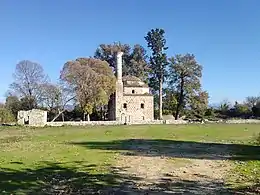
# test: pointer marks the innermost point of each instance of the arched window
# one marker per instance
(142, 105)
(124, 105)
(133, 91)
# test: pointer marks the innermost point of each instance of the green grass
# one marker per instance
(47, 160)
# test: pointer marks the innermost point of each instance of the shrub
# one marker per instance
(6, 116)
(258, 139)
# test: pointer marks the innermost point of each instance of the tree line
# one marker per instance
(88, 83)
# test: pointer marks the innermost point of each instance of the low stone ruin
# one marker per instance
(34, 117)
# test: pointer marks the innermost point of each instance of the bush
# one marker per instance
(258, 139)
(6, 116)
(156, 114)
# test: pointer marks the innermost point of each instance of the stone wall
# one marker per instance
(111, 123)
(134, 112)
(137, 90)
(243, 121)
(83, 123)
(34, 117)
(176, 122)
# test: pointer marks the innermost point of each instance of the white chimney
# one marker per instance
(119, 62)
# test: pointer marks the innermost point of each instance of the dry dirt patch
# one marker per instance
(168, 175)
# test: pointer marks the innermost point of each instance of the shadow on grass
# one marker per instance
(58, 178)
(253, 189)
(178, 149)
(54, 179)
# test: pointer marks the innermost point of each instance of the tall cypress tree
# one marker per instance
(158, 62)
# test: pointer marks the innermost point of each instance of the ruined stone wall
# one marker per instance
(35, 117)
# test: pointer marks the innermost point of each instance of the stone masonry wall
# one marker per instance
(137, 90)
(83, 123)
(32, 117)
(134, 112)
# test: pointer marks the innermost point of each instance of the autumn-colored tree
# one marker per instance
(158, 62)
(6, 116)
(134, 59)
(28, 79)
(92, 80)
(184, 78)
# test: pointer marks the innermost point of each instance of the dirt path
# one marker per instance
(166, 175)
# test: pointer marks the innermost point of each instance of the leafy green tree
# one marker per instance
(13, 104)
(169, 101)
(184, 78)
(158, 62)
(107, 52)
(241, 110)
(137, 63)
(134, 60)
(224, 107)
(199, 104)
(28, 103)
(92, 81)
(210, 113)
(251, 101)
(256, 110)
(6, 116)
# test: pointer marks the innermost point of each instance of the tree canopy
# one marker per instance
(134, 59)
(92, 80)
(28, 80)
(184, 78)
(158, 62)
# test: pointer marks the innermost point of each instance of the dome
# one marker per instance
(131, 78)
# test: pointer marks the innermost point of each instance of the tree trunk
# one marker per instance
(60, 112)
(180, 101)
(88, 118)
(160, 99)
(101, 113)
(62, 116)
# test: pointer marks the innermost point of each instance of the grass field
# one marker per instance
(84, 160)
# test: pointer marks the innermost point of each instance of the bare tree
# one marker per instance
(28, 80)
(56, 97)
(252, 101)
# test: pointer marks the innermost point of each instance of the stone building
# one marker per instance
(32, 117)
(132, 101)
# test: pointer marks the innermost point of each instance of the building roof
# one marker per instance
(130, 78)
(133, 81)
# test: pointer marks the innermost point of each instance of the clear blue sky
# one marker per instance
(224, 36)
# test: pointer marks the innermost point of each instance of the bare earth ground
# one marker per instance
(167, 175)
